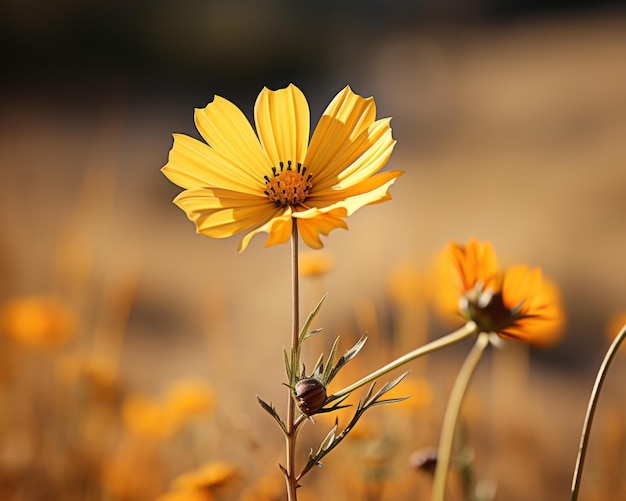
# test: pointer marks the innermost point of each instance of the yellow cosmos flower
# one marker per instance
(518, 303)
(242, 181)
(38, 321)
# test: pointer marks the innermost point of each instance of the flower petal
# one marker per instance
(279, 228)
(347, 115)
(228, 131)
(310, 228)
(221, 213)
(540, 318)
(193, 164)
(361, 158)
(473, 263)
(344, 134)
(283, 121)
(372, 190)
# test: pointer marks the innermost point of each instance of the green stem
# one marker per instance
(292, 428)
(465, 331)
(591, 408)
(452, 412)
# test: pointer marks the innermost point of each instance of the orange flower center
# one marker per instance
(288, 186)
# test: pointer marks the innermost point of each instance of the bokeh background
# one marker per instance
(511, 126)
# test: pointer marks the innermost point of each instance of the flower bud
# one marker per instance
(310, 395)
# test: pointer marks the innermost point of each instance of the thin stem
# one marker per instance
(591, 408)
(468, 329)
(452, 412)
(292, 428)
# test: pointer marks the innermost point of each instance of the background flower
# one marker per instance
(517, 303)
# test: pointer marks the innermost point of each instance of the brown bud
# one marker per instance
(310, 395)
(425, 460)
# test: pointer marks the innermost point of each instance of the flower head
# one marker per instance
(38, 321)
(518, 303)
(242, 181)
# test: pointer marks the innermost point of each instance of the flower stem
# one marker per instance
(468, 329)
(452, 412)
(292, 428)
(593, 401)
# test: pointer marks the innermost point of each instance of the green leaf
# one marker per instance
(288, 368)
(304, 332)
(346, 357)
(330, 362)
(271, 410)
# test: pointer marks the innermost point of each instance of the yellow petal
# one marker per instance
(193, 164)
(310, 228)
(282, 121)
(474, 262)
(278, 228)
(228, 131)
(362, 157)
(370, 191)
(344, 119)
(341, 136)
(221, 213)
(541, 315)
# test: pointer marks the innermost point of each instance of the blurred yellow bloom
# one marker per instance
(245, 182)
(99, 371)
(187, 399)
(518, 303)
(158, 419)
(148, 418)
(419, 390)
(267, 488)
(314, 264)
(186, 496)
(38, 321)
(207, 477)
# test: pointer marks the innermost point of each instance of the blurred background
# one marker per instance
(511, 124)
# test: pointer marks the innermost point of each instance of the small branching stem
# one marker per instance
(452, 412)
(454, 337)
(292, 426)
(591, 407)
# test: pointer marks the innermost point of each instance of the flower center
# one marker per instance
(488, 311)
(288, 186)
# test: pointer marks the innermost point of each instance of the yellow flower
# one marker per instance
(241, 182)
(210, 476)
(147, 418)
(315, 264)
(187, 399)
(38, 321)
(518, 303)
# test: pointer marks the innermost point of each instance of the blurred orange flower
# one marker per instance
(241, 182)
(315, 264)
(148, 418)
(38, 321)
(159, 419)
(187, 399)
(207, 477)
(518, 303)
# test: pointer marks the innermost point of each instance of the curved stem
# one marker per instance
(465, 331)
(292, 428)
(593, 401)
(452, 411)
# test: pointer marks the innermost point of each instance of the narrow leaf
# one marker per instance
(271, 410)
(347, 356)
(330, 361)
(309, 321)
